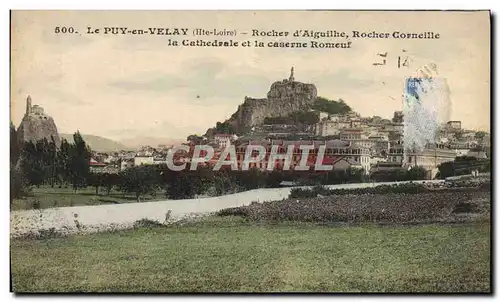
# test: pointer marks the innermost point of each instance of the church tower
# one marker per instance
(28, 105)
(291, 79)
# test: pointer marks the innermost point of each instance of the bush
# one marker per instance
(147, 223)
(331, 106)
(415, 173)
(393, 208)
(35, 204)
(466, 207)
(138, 180)
(406, 188)
(18, 184)
(463, 165)
(300, 193)
(237, 211)
(43, 234)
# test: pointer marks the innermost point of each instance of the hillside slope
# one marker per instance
(98, 143)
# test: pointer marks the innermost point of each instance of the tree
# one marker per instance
(195, 139)
(186, 184)
(110, 180)
(458, 135)
(95, 180)
(18, 184)
(463, 165)
(224, 127)
(63, 162)
(50, 161)
(15, 149)
(80, 161)
(251, 179)
(274, 178)
(31, 163)
(224, 182)
(330, 106)
(103, 180)
(480, 135)
(398, 117)
(416, 173)
(140, 180)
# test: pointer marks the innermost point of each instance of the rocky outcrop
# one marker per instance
(284, 97)
(36, 125)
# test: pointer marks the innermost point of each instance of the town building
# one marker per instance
(323, 116)
(486, 140)
(96, 166)
(454, 125)
(461, 151)
(126, 163)
(330, 128)
(398, 127)
(429, 158)
(223, 139)
(356, 123)
(385, 166)
(140, 160)
(380, 144)
(101, 167)
(334, 150)
(375, 159)
(346, 164)
(350, 134)
(478, 153)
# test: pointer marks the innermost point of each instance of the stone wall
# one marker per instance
(89, 219)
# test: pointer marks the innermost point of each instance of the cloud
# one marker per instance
(67, 98)
(52, 86)
(203, 80)
(158, 129)
(343, 80)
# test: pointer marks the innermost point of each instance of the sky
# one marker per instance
(124, 86)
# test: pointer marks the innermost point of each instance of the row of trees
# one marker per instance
(150, 180)
(224, 127)
(44, 163)
(330, 106)
(415, 173)
(41, 163)
(463, 165)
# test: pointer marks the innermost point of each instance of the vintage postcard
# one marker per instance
(250, 151)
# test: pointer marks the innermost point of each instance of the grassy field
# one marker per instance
(226, 254)
(49, 197)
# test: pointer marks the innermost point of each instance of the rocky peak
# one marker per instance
(37, 125)
(284, 97)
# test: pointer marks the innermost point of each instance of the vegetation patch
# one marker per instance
(225, 254)
(148, 223)
(384, 208)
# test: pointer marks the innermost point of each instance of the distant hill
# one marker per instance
(98, 143)
(140, 141)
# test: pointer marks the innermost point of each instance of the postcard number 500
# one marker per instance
(65, 30)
